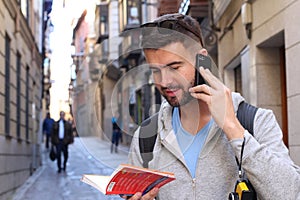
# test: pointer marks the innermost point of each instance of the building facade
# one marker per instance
(20, 92)
(253, 43)
(258, 43)
(80, 83)
(115, 53)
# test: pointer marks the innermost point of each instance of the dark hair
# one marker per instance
(187, 32)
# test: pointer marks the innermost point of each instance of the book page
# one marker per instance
(127, 166)
(97, 181)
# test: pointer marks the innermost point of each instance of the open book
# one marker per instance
(128, 179)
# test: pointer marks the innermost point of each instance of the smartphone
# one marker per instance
(205, 62)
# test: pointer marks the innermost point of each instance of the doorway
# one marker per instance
(271, 80)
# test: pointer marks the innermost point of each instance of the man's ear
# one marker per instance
(203, 52)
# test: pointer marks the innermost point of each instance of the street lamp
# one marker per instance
(246, 15)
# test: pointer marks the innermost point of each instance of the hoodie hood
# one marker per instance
(236, 99)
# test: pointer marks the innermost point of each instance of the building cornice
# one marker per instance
(22, 27)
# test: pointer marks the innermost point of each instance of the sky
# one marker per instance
(62, 16)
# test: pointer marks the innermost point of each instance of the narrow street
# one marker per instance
(47, 184)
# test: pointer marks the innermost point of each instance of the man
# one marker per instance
(199, 136)
(62, 136)
(47, 128)
(116, 135)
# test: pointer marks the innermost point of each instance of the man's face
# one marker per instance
(62, 115)
(173, 72)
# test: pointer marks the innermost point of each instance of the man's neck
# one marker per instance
(194, 116)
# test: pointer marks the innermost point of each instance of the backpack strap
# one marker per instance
(246, 114)
(147, 138)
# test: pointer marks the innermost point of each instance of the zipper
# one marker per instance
(194, 187)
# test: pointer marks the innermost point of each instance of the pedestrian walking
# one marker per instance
(62, 136)
(47, 129)
(116, 135)
(199, 137)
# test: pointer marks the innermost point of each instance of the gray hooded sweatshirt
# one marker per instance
(266, 161)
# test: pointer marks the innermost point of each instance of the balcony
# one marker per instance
(130, 19)
(129, 14)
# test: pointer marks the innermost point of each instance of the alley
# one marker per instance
(86, 155)
(89, 59)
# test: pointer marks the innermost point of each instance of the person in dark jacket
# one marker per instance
(47, 128)
(62, 136)
(116, 135)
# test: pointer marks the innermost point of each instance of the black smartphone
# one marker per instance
(205, 62)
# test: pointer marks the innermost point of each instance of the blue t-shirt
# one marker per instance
(189, 144)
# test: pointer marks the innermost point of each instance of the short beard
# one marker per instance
(174, 102)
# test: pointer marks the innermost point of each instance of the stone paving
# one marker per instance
(87, 155)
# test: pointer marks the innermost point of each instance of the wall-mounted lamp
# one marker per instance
(246, 14)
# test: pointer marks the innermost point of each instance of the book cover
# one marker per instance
(128, 180)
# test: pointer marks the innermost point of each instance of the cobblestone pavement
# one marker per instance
(86, 155)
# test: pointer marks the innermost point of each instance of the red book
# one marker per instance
(128, 180)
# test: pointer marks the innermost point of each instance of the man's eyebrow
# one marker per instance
(167, 65)
(173, 63)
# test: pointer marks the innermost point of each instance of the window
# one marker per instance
(7, 85)
(28, 2)
(133, 12)
(103, 29)
(129, 14)
(27, 104)
(24, 7)
(238, 79)
(18, 73)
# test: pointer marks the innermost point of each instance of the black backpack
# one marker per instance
(148, 133)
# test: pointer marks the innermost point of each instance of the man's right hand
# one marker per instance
(138, 196)
(218, 98)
